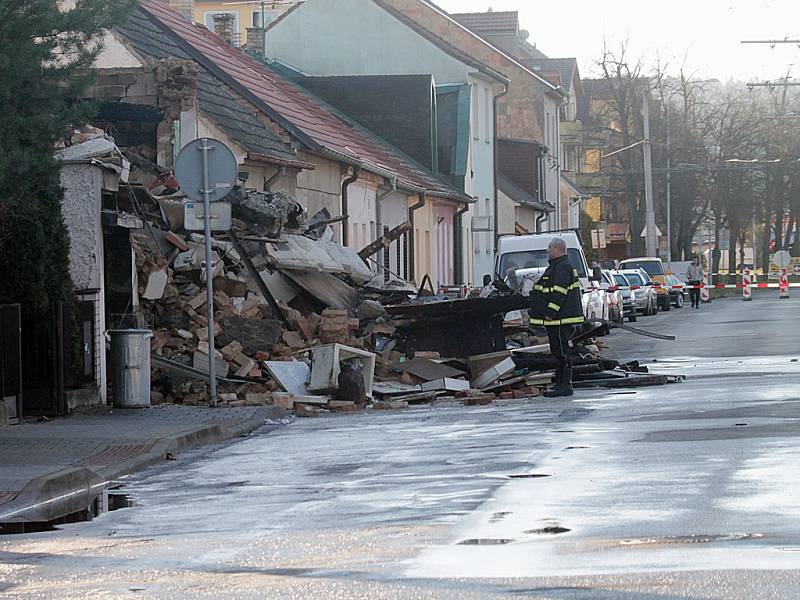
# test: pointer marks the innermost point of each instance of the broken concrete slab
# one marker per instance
(253, 335)
(200, 362)
(445, 384)
(426, 369)
(494, 373)
(292, 376)
(156, 284)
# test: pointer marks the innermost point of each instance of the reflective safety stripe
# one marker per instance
(572, 320)
(538, 288)
(577, 284)
(560, 290)
(554, 306)
(553, 323)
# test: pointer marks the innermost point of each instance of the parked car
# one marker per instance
(526, 257)
(655, 270)
(646, 301)
(628, 295)
(614, 296)
(677, 289)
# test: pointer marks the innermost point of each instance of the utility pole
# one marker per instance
(651, 240)
(669, 195)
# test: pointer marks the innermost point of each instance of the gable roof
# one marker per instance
(445, 15)
(489, 22)
(317, 126)
(214, 98)
(442, 44)
(565, 66)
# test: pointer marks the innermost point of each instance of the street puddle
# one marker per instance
(485, 542)
(498, 516)
(577, 448)
(551, 530)
(529, 475)
(691, 539)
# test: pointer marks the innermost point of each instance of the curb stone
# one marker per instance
(68, 491)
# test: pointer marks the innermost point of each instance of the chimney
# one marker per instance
(223, 27)
(255, 41)
(185, 7)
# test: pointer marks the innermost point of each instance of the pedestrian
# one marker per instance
(695, 277)
(556, 304)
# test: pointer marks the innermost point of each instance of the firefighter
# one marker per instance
(556, 304)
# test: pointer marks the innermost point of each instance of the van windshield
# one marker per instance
(651, 267)
(537, 259)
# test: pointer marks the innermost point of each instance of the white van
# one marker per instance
(526, 256)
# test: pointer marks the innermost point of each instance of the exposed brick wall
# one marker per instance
(521, 111)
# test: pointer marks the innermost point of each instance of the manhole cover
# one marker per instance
(485, 542)
(529, 475)
(692, 539)
(553, 530)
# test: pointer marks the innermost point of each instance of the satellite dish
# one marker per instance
(222, 169)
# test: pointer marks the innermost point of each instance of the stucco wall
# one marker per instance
(81, 209)
(321, 188)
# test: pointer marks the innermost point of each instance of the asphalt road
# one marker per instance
(684, 491)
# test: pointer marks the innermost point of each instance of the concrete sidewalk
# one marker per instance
(52, 469)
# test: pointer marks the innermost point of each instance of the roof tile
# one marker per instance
(319, 126)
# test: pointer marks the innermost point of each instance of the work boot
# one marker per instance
(559, 390)
(563, 386)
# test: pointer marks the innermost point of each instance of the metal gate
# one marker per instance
(10, 364)
(43, 359)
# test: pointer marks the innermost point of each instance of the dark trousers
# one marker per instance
(561, 348)
(694, 293)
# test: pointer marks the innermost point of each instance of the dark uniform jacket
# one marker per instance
(556, 297)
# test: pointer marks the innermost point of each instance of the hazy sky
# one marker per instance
(710, 31)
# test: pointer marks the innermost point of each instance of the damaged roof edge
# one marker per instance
(231, 82)
(298, 164)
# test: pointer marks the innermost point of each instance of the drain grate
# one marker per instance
(529, 475)
(692, 539)
(485, 542)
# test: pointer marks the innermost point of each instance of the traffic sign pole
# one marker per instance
(208, 180)
(204, 149)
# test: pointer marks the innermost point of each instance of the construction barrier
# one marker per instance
(747, 294)
(783, 286)
(731, 286)
(705, 295)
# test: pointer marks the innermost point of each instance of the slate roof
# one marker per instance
(565, 67)
(214, 98)
(489, 22)
(319, 127)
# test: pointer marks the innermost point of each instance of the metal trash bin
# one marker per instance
(130, 367)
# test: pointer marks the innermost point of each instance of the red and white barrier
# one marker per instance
(783, 286)
(747, 293)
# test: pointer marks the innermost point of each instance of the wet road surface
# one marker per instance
(677, 492)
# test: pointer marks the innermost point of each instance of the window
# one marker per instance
(475, 113)
(209, 19)
(489, 115)
(269, 17)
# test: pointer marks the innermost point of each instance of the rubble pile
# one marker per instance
(301, 322)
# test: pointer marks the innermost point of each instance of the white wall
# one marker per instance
(552, 175)
(480, 177)
(81, 208)
(356, 37)
(359, 38)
